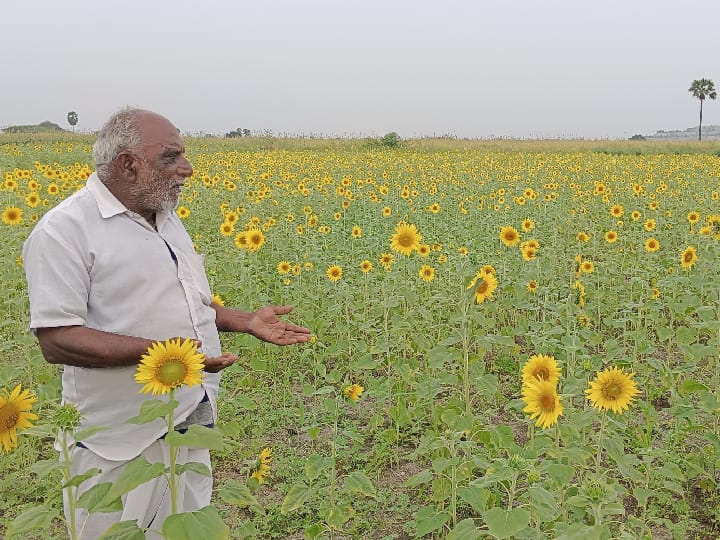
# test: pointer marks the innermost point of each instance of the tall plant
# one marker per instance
(702, 89)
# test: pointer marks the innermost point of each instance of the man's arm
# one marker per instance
(263, 324)
(89, 348)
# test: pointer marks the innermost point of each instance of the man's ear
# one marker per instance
(127, 164)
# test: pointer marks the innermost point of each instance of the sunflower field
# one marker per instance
(508, 340)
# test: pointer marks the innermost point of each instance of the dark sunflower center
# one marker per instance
(9, 417)
(542, 373)
(612, 391)
(547, 402)
(406, 239)
(688, 257)
(483, 287)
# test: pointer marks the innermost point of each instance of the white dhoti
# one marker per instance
(149, 504)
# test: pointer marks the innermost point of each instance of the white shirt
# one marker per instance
(92, 262)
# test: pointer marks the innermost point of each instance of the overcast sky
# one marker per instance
(523, 68)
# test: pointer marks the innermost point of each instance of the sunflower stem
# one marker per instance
(603, 419)
(173, 457)
(72, 492)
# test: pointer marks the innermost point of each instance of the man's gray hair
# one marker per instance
(119, 134)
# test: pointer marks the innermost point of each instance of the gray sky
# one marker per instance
(524, 68)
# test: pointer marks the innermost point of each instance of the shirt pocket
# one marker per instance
(196, 263)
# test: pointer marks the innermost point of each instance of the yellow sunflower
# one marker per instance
(32, 199)
(583, 236)
(650, 225)
(532, 286)
(587, 266)
(617, 210)
(611, 237)
(688, 258)
(528, 225)
(356, 232)
(183, 212)
(541, 366)
(366, 266)
(241, 240)
(612, 390)
(262, 470)
(406, 238)
(226, 228)
(217, 299)
(652, 245)
(486, 287)
(386, 211)
(14, 414)
(353, 391)
(387, 260)
(529, 253)
(334, 273)
(509, 236)
(427, 273)
(284, 267)
(255, 239)
(542, 402)
(168, 365)
(693, 217)
(12, 216)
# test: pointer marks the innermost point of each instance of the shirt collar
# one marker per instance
(107, 203)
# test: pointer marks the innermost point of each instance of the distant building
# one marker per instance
(709, 133)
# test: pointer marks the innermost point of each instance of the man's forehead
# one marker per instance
(158, 132)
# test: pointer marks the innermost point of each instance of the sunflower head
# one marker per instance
(612, 389)
(14, 415)
(542, 402)
(170, 364)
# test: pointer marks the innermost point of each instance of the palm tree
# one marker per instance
(701, 89)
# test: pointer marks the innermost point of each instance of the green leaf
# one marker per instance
(244, 402)
(664, 332)
(506, 524)
(423, 477)
(428, 520)
(314, 531)
(86, 433)
(95, 499)
(153, 409)
(323, 390)
(38, 517)
(135, 473)
(44, 467)
(78, 479)
(197, 436)
(239, 494)
(364, 362)
(296, 497)
(337, 516)
(315, 465)
(465, 530)
(580, 531)
(205, 523)
(686, 335)
(543, 502)
(358, 482)
(41, 430)
(476, 497)
(193, 466)
(123, 530)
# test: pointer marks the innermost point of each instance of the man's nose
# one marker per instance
(185, 168)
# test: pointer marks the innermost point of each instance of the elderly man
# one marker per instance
(110, 270)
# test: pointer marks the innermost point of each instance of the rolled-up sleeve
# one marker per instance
(58, 281)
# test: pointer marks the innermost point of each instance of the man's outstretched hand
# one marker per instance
(266, 325)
